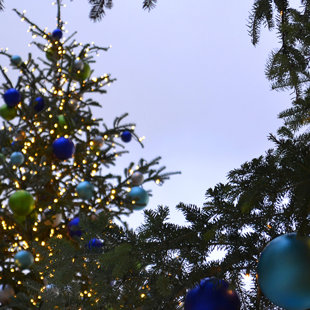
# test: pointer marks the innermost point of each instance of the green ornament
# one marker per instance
(21, 203)
(52, 54)
(61, 120)
(81, 75)
(20, 219)
(7, 113)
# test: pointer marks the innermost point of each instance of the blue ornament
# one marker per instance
(17, 158)
(57, 34)
(63, 148)
(95, 244)
(12, 97)
(85, 190)
(126, 136)
(212, 294)
(284, 272)
(139, 196)
(23, 259)
(39, 104)
(16, 60)
(74, 227)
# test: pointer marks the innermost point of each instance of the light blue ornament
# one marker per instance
(139, 197)
(284, 272)
(23, 259)
(85, 190)
(16, 60)
(17, 158)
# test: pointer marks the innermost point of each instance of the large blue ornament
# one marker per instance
(284, 272)
(23, 259)
(95, 244)
(212, 294)
(85, 190)
(39, 104)
(139, 196)
(12, 97)
(126, 136)
(17, 158)
(63, 148)
(57, 34)
(74, 228)
(16, 60)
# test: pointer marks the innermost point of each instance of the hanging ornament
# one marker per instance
(78, 65)
(95, 244)
(57, 34)
(17, 158)
(213, 294)
(39, 104)
(52, 290)
(97, 143)
(81, 75)
(12, 97)
(63, 148)
(74, 227)
(7, 113)
(284, 272)
(85, 190)
(21, 203)
(16, 60)
(137, 178)
(139, 197)
(6, 293)
(23, 259)
(126, 136)
(51, 219)
(61, 120)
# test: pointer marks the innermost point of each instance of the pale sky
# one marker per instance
(187, 75)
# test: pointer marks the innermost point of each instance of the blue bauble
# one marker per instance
(126, 136)
(140, 196)
(85, 190)
(74, 227)
(212, 294)
(57, 34)
(23, 259)
(17, 158)
(95, 244)
(39, 104)
(16, 60)
(284, 272)
(12, 97)
(63, 148)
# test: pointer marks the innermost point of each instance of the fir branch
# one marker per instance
(149, 4)
(1, 5)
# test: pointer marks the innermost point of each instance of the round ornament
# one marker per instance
(17, 158)
(21, 203)
(94, 244)
(74, 228)
(85, 190)
(63, 148)
(23, 259)
(213, 294)
(6, 293)
(12, 97)
(126, 136)
(139, 196)
(78, 65)
(52, 289)
(52, 54)
(51, 219)
(16, 60)
(57, 34)
(7, 113)
(137, 178)
(61, 120)
(81, 75)
(284, 272)
(39, 104)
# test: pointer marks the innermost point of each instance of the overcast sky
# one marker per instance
(187, 75)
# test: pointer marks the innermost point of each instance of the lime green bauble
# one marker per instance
(7, 113)
(81, 75)
(61, 120)
(21, 203)
(52, 55)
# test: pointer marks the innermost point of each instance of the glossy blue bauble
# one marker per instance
(39, 104)
(17, 158)
(63, 148)
(284, 272)
(126, 136)
(212, 294)
(23, 259)
(16, 60)
(12, 97)
(57, 34)
(74, 228)
(85, 190)
(140, 196)
(95, 244)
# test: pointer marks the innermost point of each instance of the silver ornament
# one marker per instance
(98, 141)
(52, 289)
(78, 65)
(137, 178)
(53, 221)
(6, 293)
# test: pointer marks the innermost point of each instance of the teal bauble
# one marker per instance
(139, 197)
(17, 158)
(85, 190)
(23, 259)
(284, 272)
(16, 60)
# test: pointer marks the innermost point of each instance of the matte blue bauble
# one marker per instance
(39, 104)
(17, 158)
(212, 294)
(85, 190)
(126, 136)
(74, 227)
(140, 196)
(23, 259)
(57, 34)
(95, 244)
(16, 60)
(12, 97)
(63, 148)
(284, 272)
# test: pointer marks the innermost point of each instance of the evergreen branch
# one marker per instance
(149, 4)
(1, 5)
